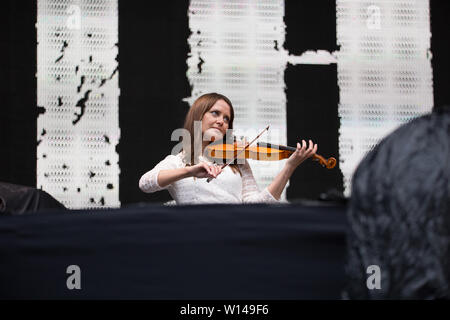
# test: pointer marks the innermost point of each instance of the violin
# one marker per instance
(224, 152)
(263, 151)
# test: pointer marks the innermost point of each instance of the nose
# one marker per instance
(219, 120)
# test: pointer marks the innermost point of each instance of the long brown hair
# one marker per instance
(196, 113)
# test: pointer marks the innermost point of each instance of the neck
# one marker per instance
(204, 144)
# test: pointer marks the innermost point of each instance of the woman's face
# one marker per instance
(216, 120)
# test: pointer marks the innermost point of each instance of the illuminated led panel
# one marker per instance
(77, 80)
(384, 72)
(237, 50)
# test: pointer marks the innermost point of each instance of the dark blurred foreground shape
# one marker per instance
(18, 199)
(399, 213)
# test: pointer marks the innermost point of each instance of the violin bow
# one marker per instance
(240, 152)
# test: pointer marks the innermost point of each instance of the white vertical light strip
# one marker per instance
(384, 72)
(78, 92)
(237, 50)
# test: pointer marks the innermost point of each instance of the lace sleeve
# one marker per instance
(250, 190)
(149, 181)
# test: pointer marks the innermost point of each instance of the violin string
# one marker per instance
(248, 144)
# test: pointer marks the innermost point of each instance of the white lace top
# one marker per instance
(228, 187)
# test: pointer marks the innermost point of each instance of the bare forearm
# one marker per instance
(166, 177)
(279, 182)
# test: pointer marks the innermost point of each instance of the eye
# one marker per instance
(226, 119)
(214, 112)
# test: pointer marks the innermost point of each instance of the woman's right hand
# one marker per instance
(204, 170)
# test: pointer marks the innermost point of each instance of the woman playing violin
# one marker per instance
(185, 178)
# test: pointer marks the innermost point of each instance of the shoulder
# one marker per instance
(173, 161)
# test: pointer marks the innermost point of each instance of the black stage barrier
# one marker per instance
(18, 199)
(256, 251)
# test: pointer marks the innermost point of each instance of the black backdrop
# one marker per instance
(312, 95)
(152, 63)
(18, 112)
(152, 59)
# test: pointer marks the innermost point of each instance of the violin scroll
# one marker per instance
(329, 163)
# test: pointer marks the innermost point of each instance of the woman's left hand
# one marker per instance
(302, 153)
